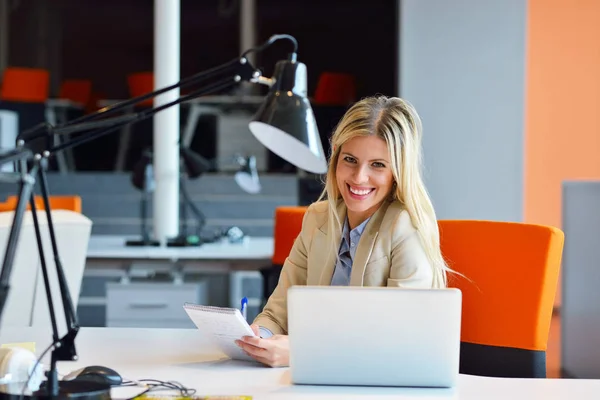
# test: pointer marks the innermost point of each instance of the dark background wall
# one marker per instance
(104, 40)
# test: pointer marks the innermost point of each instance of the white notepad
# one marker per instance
(223, 325)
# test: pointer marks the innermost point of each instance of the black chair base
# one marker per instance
(501, 362)
(270, 279)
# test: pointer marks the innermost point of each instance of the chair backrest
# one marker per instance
(71, 203)
(508, 297)
(335, 88)
(288, 223)
(140, 83)
(25, 84)
(27, 304)
(77, 90)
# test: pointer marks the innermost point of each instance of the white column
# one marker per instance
(166, 123)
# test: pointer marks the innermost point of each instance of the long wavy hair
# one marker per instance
(397, 122)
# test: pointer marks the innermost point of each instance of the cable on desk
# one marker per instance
(155, 385)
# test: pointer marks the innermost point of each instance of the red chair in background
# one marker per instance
(77, 90)
(141, 83)
(30, 85)
(335, 88)
(288, 224)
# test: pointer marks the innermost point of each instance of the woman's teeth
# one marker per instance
(360, 192)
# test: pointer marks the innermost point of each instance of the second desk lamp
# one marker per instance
(195, 166)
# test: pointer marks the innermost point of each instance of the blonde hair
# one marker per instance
(397, 122)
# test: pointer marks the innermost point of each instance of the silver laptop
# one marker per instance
(374, 336)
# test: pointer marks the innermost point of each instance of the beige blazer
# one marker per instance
(389, 253)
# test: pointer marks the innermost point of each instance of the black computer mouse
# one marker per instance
(97, 373)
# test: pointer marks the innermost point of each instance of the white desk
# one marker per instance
(109, 257)
(222, 256)
(184, 356)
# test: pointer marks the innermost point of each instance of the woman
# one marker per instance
(377, 226)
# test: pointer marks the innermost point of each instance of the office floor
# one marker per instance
(553, 351)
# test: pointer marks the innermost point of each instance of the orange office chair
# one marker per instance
(508, 296)
(335, 88)
(140, 83)
(71, 203)
(25, 85)
(288, 223)
(77, 90)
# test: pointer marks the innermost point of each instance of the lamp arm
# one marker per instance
(69, 309)
(43, 129)
(77, 125)
(244, 71)
(62, 346)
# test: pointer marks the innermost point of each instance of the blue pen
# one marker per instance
(244, 307)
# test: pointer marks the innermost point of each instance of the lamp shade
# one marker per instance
(195, 164)
(285, 123)
(247, 176)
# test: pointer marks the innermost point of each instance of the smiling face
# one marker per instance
(364, 176)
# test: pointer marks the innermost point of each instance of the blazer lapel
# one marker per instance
(328, 254)
(361, 257)
(365, 246)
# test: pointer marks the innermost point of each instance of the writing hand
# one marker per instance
(274, 351)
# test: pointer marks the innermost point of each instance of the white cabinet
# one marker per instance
(152, 305)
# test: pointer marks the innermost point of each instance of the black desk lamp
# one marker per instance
(142, 178)
(284, 124)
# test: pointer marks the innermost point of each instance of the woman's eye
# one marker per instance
(378, 165)
(349, 159)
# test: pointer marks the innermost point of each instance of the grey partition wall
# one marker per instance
(462, 64)
(113, 203)
(580, 310)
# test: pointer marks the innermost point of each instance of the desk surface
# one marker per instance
(185, 356)
(113, 247)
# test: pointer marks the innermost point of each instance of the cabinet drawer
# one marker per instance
(149, 301)
(153, 323)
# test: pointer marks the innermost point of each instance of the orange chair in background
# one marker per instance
(92, 105)
(140, 83)
(288, 224)
(335, 88)
(25, 85)
(508, 297)
(77, 90)
(71, 203)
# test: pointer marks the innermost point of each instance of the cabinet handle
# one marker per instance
(148, 305)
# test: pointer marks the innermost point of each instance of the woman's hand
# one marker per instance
(274, 351)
